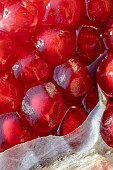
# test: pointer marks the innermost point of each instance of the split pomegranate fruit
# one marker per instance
(46, 49)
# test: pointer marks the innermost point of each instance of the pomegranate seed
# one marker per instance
(19, 18)
(106, 127)
(9, 50)
(84, 21)
(99, 10)
(54, 43)
(1, 10)
(13, 131)
(30, 67)
(73, 118)
(89, 45)
(10, 93)
(108, 33)
(83, 7)
(41, 107)
(87, 101)
(57, 12)
(105, 75)
(73, 77)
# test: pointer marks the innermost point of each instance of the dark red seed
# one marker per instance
(99, 10)
(57, 12)
(105, 75)
(13, 131)
(91, 99)
(73, 77)
(108, 34)
(30, 68)
(106, 127)
(9, 49)
(10, 93)
(55, 44)
(89, 45)
(73, 118)
(41, 107)
(20, 19)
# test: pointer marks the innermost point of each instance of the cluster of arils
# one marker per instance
(46, 48)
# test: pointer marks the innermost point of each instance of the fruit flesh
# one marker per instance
(73, 117)
(46, 48)
(106, 127)
(57, 45)
(41, 107)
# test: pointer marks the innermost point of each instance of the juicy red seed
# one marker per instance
(105, 75)
(30, 68)
(1, 10)
(41, 107)
(106, 127)
(3, 2)
(83, 7)
(73, 77)
(20, 19)
(10, 93)
(8, 50)
(57, 12)
(87, 101)
(73, 118)
(108, 33)
(85, 22)
(89, 45)
(99, 10)
(54, 43)
(11, 2)
(13, 131)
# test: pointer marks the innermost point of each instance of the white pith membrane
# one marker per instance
(82, 149)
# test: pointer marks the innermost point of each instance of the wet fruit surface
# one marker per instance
(99, 10)
(8, 49)
(72, 119)
(19, 18)
(41, 107)
(56, 45)
(57, 12)
(30, 67)
(93, 45)
(10, 93)
(13, 130)
(54, 56)
(106, 127)
(71, 75)
(105, 75)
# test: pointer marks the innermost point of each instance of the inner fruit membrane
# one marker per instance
(46, 48)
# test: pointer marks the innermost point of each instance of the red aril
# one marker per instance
(10, 93)
(55, 44)
(99, 10)
(41, 107)
(57, 12)
(30, 68)
(83, 9)
(72, 119)
(13, 131)
(84, 21)
(91, 99)
(73, 77)
(89, 45)
(9, 50)
(1, 10)
(106, 128)
(3, 2)
(105, 75)
(108, 33)
(19, 18)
